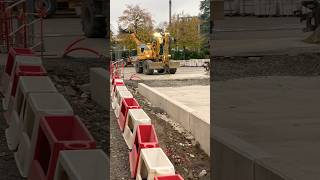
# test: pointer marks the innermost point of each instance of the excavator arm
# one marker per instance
(136, 40)
(165, 56)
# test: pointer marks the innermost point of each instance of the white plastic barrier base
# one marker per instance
(7, 106)
(81, 165)
(153, 162)
(115, 94)
(135, 117)
(119, 96)
(4, 82)
(7, 97)
(13, 131)
(26, 85)
(38, 104)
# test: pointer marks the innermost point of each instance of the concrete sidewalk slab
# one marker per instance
(277, 114)
(189, 117)
(195, 97)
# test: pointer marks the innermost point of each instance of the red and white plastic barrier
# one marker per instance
(68, 166)
(147, 160)
(116, 93)
(114, 83)
(146, 137)
(21, 65)
(13, 52)
(153, 162)
(21, 70)
(126, 104)
(6, 78)
(57, 133)
(119, 96)
(26, 85)
(169, 177)
(134, 118)
(42, 125)
(38, 105)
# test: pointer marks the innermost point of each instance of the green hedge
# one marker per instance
(185, 55)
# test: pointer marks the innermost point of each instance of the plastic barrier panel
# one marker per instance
(153, 162)
(117, 89)
(118, 100)
(57, 133)
(19, 60)
(37, 105)
(13, 52)
(81, 164)
(135, 117)
(115, 85)
(126, 104)
(26, 85)
(146, 137)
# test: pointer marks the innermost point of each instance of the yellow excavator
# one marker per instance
(155, 55)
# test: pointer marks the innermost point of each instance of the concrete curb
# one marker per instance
(236, 159)
(98, 85)
(190, 119)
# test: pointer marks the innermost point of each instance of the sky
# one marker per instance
(159, 9)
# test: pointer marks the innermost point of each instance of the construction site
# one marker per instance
(265, 76)
(165, 93)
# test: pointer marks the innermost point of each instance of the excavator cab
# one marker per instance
(142, 47)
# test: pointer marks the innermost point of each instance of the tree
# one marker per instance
(185, 30)
(137, 20)
(162, 27)
(205, 23)
(125, 40)
(205, 10)
(205, 16)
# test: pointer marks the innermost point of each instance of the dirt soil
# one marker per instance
(224, 68)
(70, 77)
(119, 157)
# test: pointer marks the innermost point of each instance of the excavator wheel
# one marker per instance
(160, 71)
(172, 70)
(93, 26)
(138, 68)
(146, 69)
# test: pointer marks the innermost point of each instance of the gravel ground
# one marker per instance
(8, 169)
(224, 68)
(119, 157)
(70, 77)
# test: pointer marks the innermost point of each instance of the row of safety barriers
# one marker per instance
(147, 160)
(48, 140)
